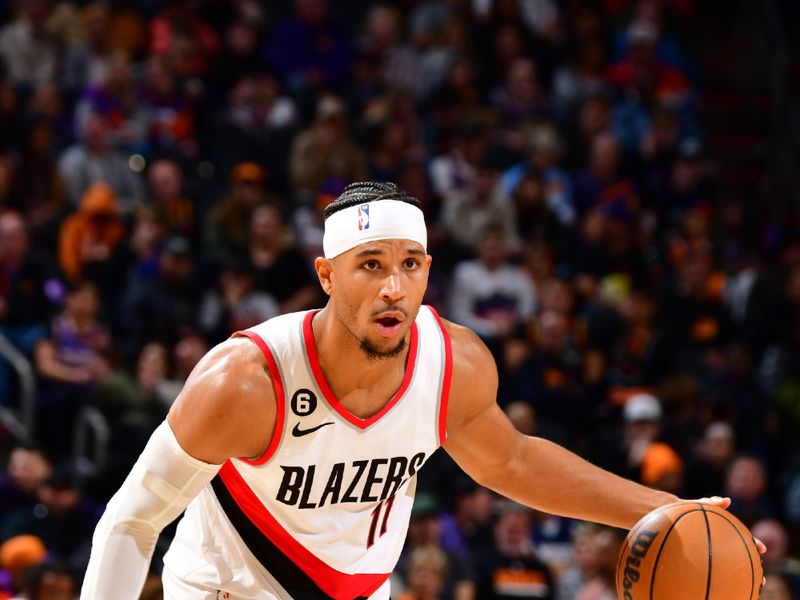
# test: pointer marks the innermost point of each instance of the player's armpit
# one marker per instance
(227, 407)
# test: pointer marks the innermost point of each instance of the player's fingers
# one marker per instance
(760, 545)
(717, 501)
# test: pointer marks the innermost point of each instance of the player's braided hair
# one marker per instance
(369, 191)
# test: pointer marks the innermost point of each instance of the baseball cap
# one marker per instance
(642, 407)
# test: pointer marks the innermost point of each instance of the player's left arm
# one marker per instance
(530, 470)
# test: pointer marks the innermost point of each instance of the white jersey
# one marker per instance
(324, 512)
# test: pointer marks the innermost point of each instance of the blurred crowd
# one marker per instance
(163, 170)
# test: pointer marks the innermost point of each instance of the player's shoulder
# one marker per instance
(227, 404)
(470, 354)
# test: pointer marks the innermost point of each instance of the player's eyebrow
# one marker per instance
(369, 252)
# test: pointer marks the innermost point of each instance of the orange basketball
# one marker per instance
(689, 551)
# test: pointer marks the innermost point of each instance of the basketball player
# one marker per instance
(295, 444)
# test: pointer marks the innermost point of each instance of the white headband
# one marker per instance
(371, 221)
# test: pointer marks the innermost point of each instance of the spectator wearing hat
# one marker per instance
(91, 240)
(227, 223)
(17, 555)
(325, 149)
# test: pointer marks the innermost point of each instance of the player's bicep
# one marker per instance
(227, 407)
(479, 436)
(484, 446)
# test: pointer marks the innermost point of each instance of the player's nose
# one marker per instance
(392, 289)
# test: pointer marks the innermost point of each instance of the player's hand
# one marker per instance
(725, 503)
(722, 502)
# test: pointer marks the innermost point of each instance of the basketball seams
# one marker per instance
(708, 537)
(661, 548)
(747, 550)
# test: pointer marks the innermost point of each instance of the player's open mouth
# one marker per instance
(388, 326)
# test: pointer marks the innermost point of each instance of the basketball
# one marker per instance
(689, 551)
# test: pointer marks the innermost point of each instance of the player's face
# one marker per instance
(376, 290)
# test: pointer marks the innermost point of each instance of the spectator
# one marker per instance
(27, 469)
(40, 190)
(713, 459)
(455, 578)
(455, 170)
(226, 229)
(29, 290)
(65, 525)
(777, 559)
(93, 160)
(585, 563)
(174, 209)
(544, 151)
(325, 149)
(278, 268)
(51, 581)
(235, 305)
(467, 213)
(426, 574)
(68, 362)
(28, 51)
(18, 555)
(310, 51)
(512, 569)
(519, 102)
(602, 585)
(491, 296)
(746, 484)
(114, 96)
(90, 244)
(163, 309)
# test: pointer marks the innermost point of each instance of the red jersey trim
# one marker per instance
(319, 376)
(446, 377)
(338, 585)
(280, 402)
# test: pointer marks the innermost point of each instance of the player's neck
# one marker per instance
(345, 365)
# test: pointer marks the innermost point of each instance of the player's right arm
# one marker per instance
(226, 409)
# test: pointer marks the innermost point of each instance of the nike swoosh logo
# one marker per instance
(297, 432)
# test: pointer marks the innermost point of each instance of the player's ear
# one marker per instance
(324, 271)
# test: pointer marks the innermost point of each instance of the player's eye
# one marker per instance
(411, 263)
(371, 265)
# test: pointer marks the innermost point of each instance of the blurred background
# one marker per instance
(611, 189)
